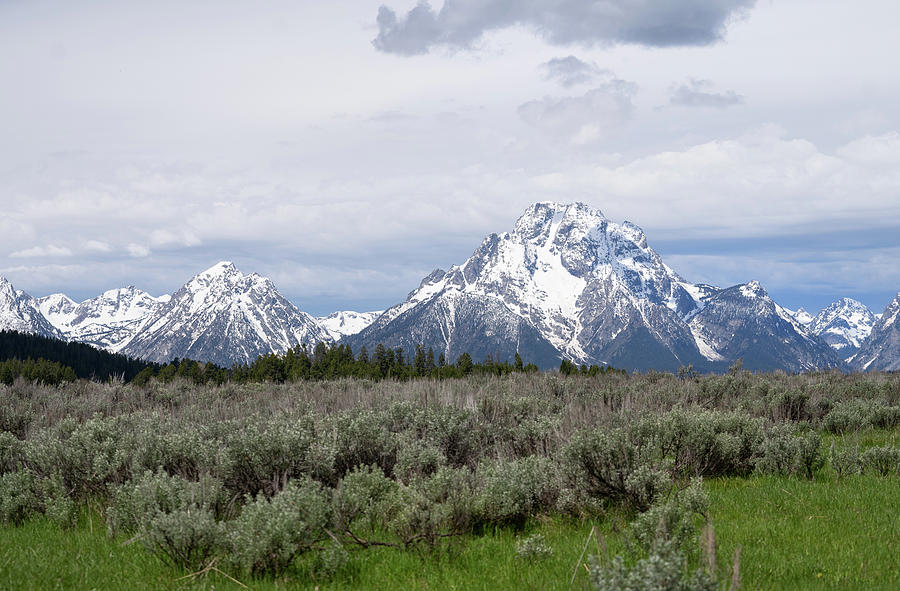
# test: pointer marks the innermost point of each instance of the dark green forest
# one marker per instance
(43, 359)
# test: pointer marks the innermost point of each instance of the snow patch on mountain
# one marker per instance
(346, 322)
(845, 325)
(224, 316)
(21, 312)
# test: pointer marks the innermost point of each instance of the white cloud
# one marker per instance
(51, 250)
(757, 184)
(137, 250)
(97, 246)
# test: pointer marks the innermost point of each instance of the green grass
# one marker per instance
(865, 438)
(798, 534)
(40, 555)
(794, 534)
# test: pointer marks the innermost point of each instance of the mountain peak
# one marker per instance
(539, 218)
(754, 289)
(221, 268)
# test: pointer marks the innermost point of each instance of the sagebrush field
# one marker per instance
(524, 481)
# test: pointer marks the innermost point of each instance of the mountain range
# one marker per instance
(566, 282)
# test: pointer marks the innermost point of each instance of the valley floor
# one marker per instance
(793, 534)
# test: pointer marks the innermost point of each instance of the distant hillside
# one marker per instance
(86, 361)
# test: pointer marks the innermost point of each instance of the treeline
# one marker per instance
(51, 373)
(328, 363)
(53, 362)
(568, 368)
(25, 352)
(325, 363)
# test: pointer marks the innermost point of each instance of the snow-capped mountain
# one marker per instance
(565, 282)
(21, 312)
(346, 322)
(881, 350)
(844, 325)
(108, 321)
(224, 316)
(57, 308)
(744, 322)
(802, 316)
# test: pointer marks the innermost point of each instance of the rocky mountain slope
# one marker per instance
(224, 316)
(844, 325)
(568, 282)
(881, 350)
(21, 312)
(108, 321)
(346, 322)
(744, 322)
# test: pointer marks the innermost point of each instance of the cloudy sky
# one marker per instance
(347, 148)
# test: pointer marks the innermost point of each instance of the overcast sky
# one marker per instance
(347, 148)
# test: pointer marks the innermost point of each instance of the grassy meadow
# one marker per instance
(519, 482)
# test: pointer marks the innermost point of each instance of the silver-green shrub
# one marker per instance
(18, 500)
(660, 542)
(136, 503)
(89, 456)
(615, 465)
(12, 452)
(845, 460)
(271, 532)
(511, 491)
(262, 455)
(882, 460)
(187, 537)
(533, 548)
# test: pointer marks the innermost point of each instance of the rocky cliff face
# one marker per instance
(21, 312)
(881, 350)
(224, 316)
(108, 321)
(566, 282)
(743, 322)
(844, 325)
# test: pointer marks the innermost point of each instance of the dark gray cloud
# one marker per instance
(571, 71)
(461, 23)
(696, 93)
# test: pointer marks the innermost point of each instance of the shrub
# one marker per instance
(615, 466)
(886, 417)
(852, 415)
(706, 443)
(58, 505)
(660, 541)
(18, 500)
(185, 450)
(12, 452)
(432, 510)
(881, 460)
(135, 504)
(417, 459)
(662, 570)
(88, 456)
(670, 520)
(509, 492)
(16, 413)
(533, 548)
(845, 460)
(364, 500)
(271, 532)
(362, 439)
(810, 458)
(785, 452)
(263, 456)
(187, 538)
